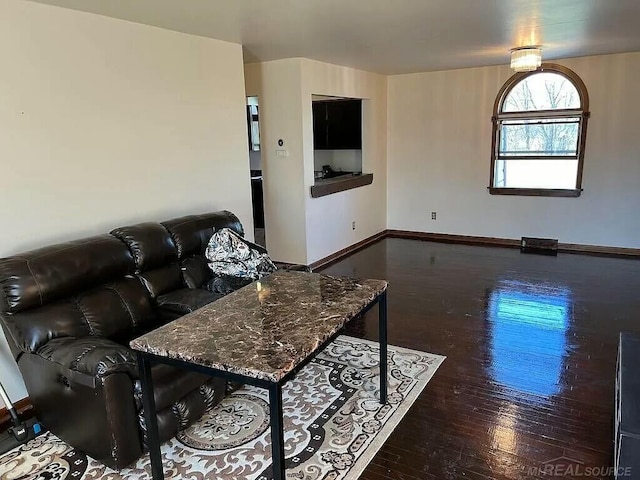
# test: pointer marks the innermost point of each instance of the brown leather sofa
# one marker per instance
(70, 310)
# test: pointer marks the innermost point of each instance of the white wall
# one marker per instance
(105, 122)
(299, 228)
(439, 158)
(277, 85)
(329, 218)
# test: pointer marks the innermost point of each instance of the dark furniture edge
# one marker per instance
(341, 185)
(23, 407)
(628, 385)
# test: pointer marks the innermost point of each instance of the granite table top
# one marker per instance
(265, 329)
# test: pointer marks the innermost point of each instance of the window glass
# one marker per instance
(545, 136)
(536, 174)
(542, 91)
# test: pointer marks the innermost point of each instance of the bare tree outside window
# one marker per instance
(539, 130)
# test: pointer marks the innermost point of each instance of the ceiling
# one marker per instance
(388, 36)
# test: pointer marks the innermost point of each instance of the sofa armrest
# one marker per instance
(94, 414)
(94, 356)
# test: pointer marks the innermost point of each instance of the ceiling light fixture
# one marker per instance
(526, 59)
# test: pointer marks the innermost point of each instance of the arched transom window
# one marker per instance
(539, 133)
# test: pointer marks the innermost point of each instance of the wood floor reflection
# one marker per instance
(531, 346)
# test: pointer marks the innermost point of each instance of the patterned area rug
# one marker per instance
(333, 422)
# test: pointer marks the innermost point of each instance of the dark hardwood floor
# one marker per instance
(531, 352)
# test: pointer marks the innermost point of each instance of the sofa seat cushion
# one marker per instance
(186, 300)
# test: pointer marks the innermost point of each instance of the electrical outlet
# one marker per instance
(433, 215)
(353, 225)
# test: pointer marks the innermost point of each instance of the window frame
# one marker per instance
(499, 116)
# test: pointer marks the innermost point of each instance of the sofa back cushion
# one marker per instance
(118, 310)
(79, 288)
(39, 277)
(155, 256)
(191, 235)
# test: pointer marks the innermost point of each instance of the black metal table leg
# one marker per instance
(382, 326)
(150, 419)
(277, 431)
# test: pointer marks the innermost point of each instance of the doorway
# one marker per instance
(255, 166)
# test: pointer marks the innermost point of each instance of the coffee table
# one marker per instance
(260, 335)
